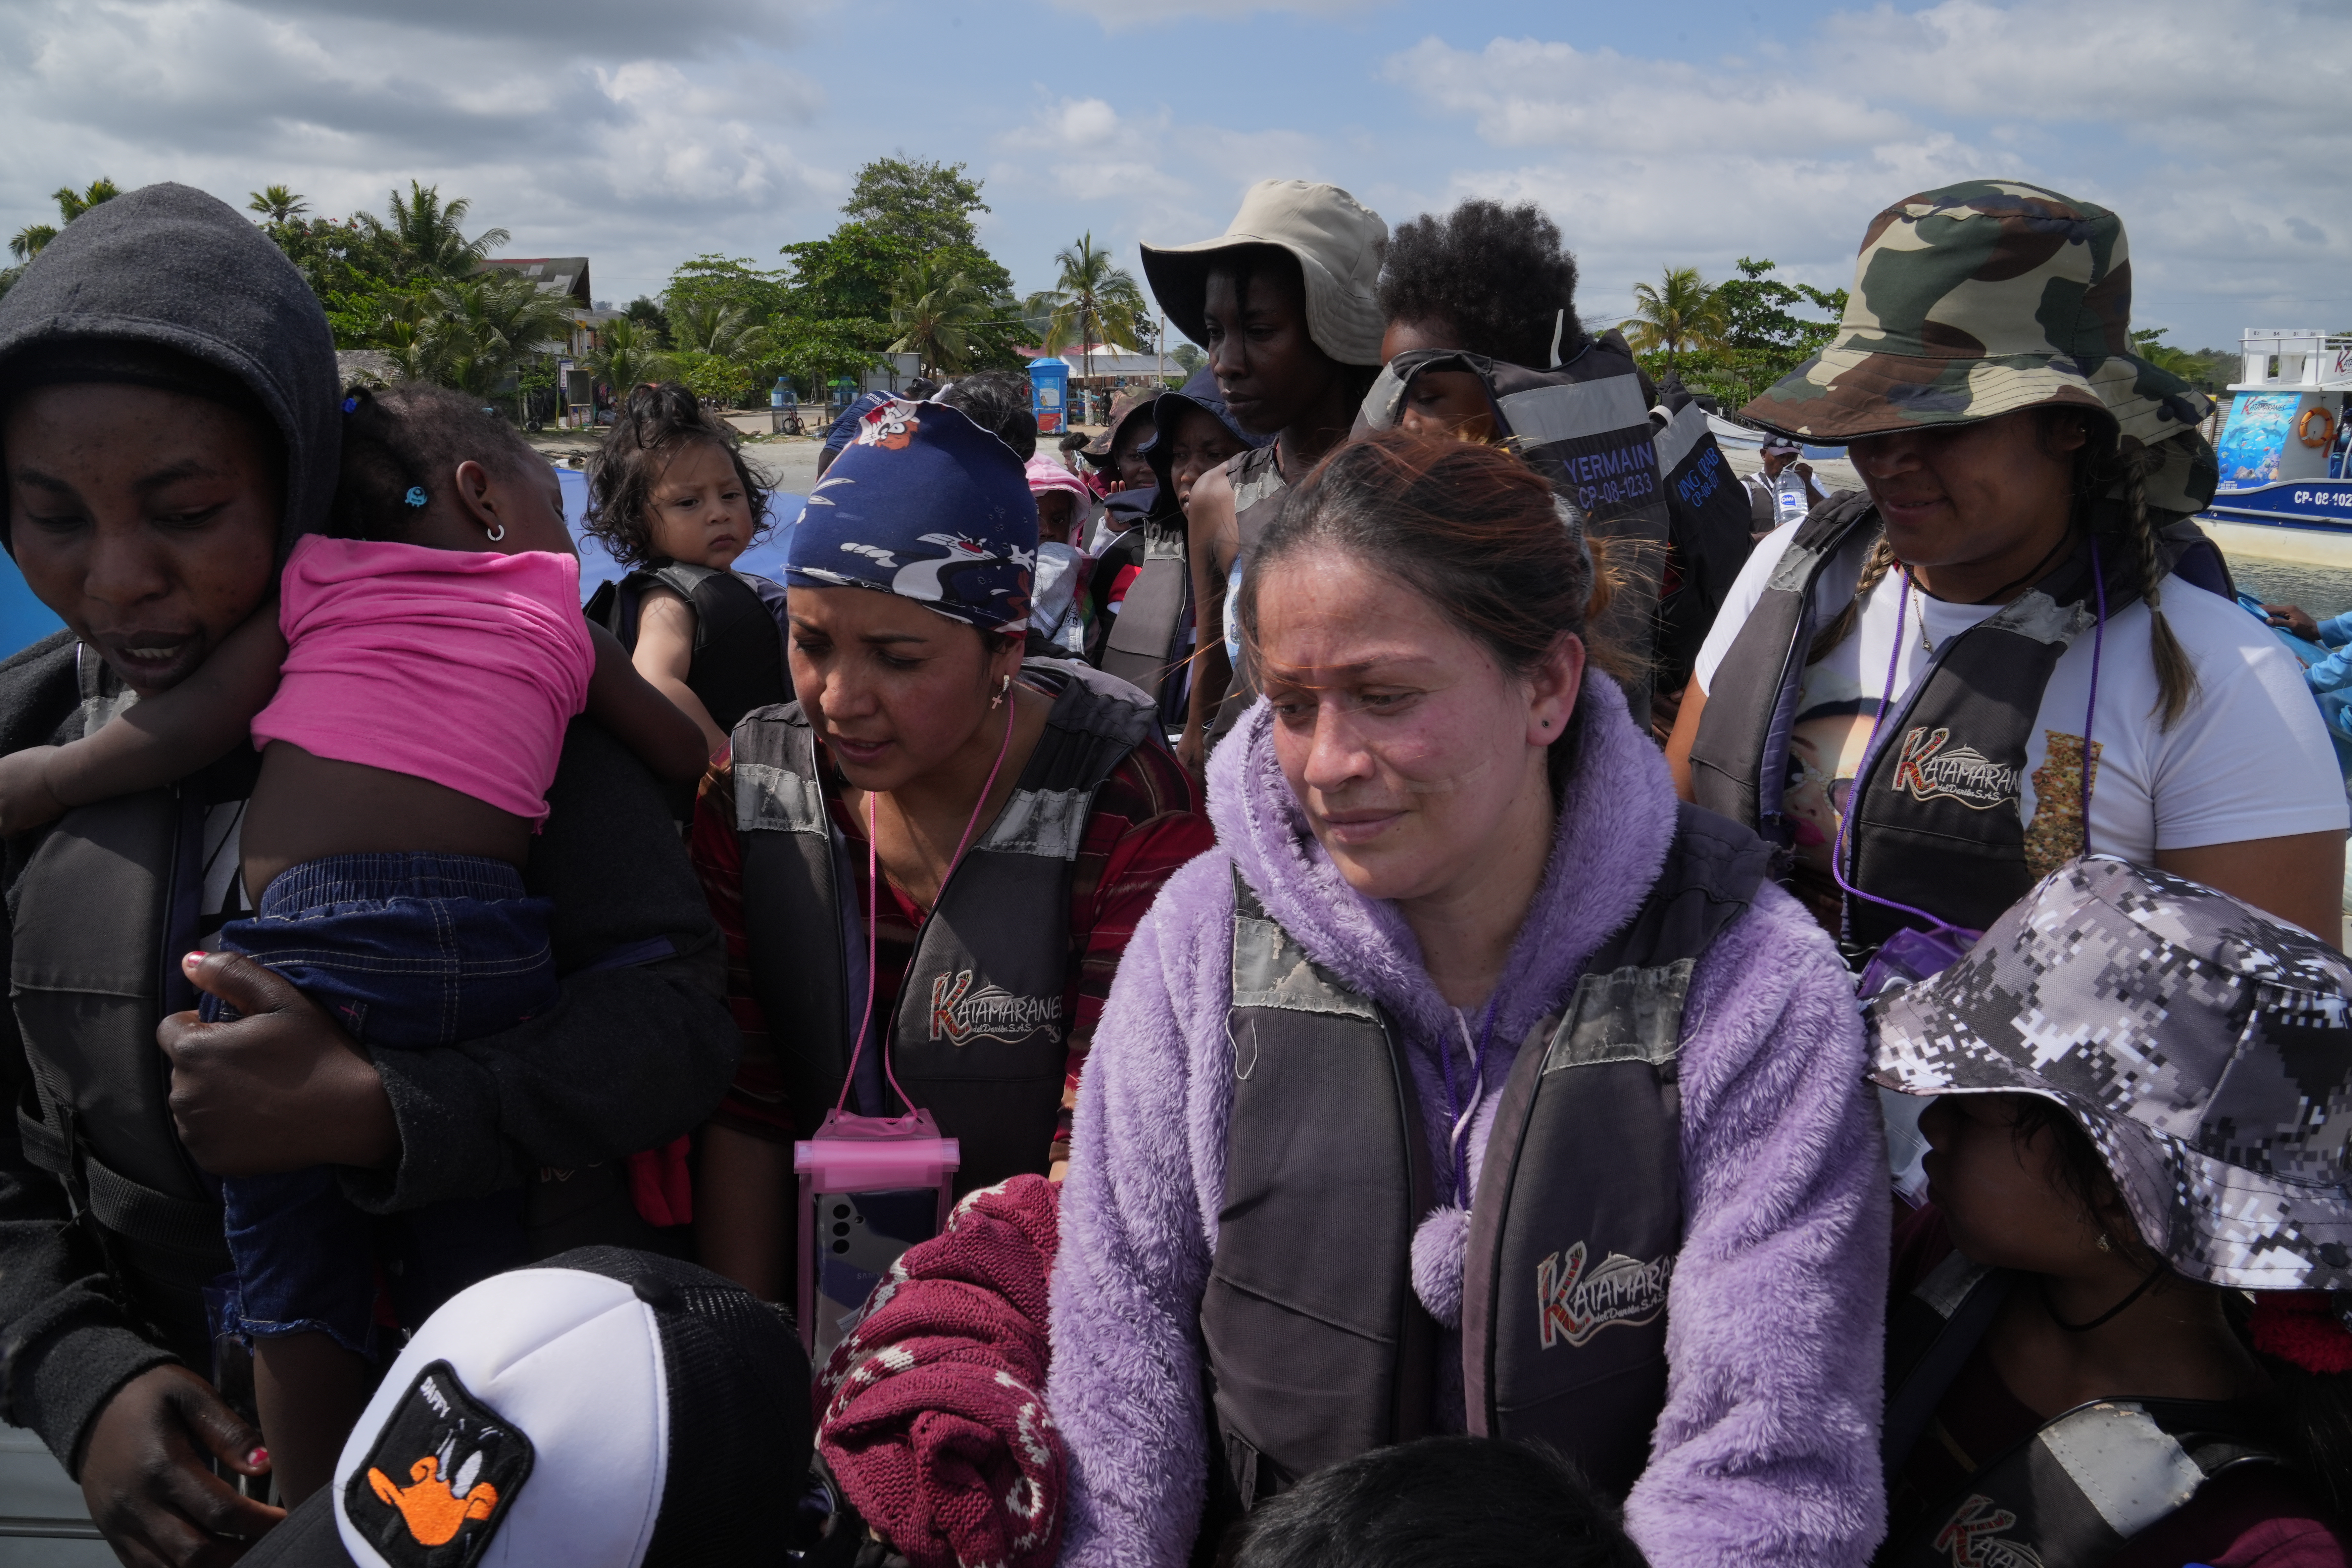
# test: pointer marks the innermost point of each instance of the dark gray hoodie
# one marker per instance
(171, 266)
(639, 1045)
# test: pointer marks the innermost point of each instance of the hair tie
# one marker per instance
(2303, 1328)
(415, 496)
(350, 405)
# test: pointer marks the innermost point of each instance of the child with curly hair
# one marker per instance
(670, 495)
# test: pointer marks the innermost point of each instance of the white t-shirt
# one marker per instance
(2249, 759)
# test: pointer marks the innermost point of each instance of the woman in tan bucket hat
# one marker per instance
(1285, 301)
(2002, 655)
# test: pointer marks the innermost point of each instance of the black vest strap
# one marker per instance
(1739, 757)
(738, 661)
(1146, 646)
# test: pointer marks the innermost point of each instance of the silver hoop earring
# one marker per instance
(2104, 1247)
(497, 532)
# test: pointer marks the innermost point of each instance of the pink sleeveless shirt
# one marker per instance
(455, 666)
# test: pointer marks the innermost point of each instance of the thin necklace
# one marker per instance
(2137, 1293)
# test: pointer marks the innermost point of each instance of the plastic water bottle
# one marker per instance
(1789, 494)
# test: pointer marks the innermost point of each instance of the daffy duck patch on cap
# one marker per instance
(443, 1474)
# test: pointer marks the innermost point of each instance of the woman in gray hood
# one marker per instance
(168, 425)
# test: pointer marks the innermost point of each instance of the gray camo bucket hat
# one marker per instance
(2206, 1048)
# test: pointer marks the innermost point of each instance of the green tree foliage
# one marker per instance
(2198, 369)
(26, 242)
(925, 204)
(649, 315)
(277, 204)
(1094, 301)
(713, 377)
(934, 311)
(718, 328)
(1763, 338)
(1188, 358)
(422, 238)
(627, 352)
(1678, 312)
(491, 323)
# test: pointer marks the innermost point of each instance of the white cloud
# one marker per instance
(628, 127)
(2207, 123)
(1145, 176)
(1118, 15)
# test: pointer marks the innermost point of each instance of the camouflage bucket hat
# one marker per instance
(2205, 1047)
(1981, 298)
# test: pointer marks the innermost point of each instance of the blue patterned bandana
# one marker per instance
(925, 504)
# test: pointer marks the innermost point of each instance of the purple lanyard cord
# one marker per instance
(1457, 1119)
(1886, 700)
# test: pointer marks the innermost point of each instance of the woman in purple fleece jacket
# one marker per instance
(1428, 731)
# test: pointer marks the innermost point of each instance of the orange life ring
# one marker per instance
(2327, 428)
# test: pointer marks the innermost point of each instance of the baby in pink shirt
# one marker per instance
(410, 692)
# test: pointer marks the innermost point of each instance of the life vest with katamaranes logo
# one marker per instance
(1586, 426)
(2074, 1494)
(1148, 639)
(738, 661)
(978, 1036)
(1937, 822)
(1318, 1348)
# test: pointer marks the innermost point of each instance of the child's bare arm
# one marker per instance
(664, 740)
(665, 654)
(158, 740)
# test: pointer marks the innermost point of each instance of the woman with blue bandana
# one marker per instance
(928, 866)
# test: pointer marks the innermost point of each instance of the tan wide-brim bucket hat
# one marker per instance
(1978, 299)
(1338, 243)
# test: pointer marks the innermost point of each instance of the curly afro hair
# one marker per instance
(1498, 275)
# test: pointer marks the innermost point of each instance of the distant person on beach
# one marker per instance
(1771, 501)
(670, 497)
(1285, 301)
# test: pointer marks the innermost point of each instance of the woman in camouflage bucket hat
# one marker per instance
(2008, 619)
(2142, 1088)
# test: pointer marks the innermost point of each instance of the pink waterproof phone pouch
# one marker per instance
(871, 1187)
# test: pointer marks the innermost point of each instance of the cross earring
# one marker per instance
(1004, 688)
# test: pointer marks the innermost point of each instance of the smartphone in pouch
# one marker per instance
(871, 1187)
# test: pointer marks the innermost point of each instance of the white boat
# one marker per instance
(2285, 488)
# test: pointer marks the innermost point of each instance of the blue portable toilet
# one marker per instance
(1049, 394)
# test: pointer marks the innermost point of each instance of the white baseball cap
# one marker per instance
(606, 1409)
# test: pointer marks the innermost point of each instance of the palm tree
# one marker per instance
(1682, 312)
(26, 242)
(934, 314)
(717, 327)
(278, 203)
(627, 353)
(72, 203)
(421, 236)
(1095, 300)
(492, 322)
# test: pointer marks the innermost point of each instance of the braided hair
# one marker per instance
(2110, 495)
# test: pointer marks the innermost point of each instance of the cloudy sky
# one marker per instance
(1663, 131)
